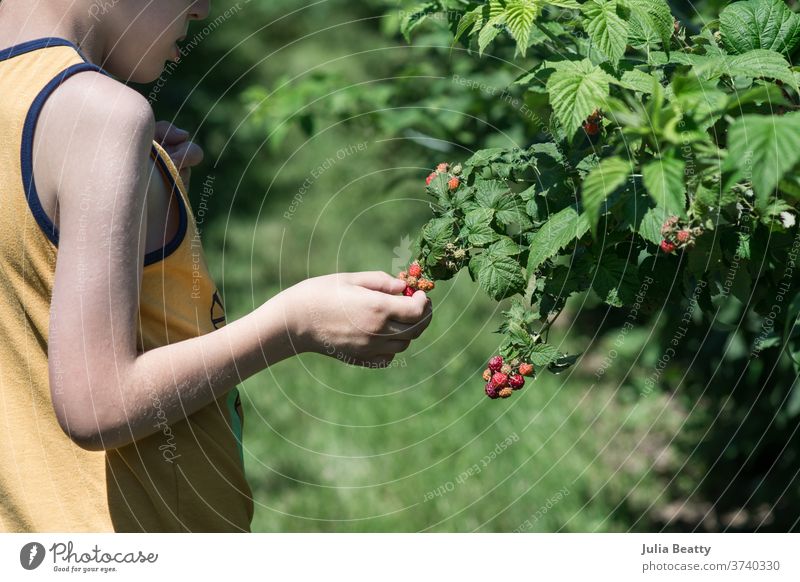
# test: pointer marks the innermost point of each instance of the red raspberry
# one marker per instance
(591, 128)
(526, 369)
(430, 178)
(496, 363)
(491, 391)
(487, 374)
(505, 392)
(415, 270)
(499, 380)
(516, 381)
(683, 235)
(667, 246)
(443, 167)
(453, 183)
(408, 291)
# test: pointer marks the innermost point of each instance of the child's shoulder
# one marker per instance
(90, 123)
(92, 99)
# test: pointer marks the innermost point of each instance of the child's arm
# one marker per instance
(94, 139)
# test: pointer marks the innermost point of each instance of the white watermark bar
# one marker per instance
(431, 556)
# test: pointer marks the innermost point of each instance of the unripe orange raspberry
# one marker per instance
(505, 369)
(442, 167)
(453, 183)
(487, 374)
(402, 275)
(411, 281)
(526, 369)
(505, 392)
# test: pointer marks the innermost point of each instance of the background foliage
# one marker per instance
(280, 94)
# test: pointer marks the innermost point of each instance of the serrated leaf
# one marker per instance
(650, 20)
(478, 227)
(489, 32)
(437, 233)
(576, 89)
(489, 192)
(505, 246)
(760, 64)
(542, 355)
(467, 20)
(764, 148)
(637, 80)
(520, 16)
(759, 24)
(615, 280)
(606, 29)
(664, 181)
(650, 226)
(600, 184)
(415, 17)
(500, 277)
(562, 228)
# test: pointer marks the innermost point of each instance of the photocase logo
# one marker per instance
(31, 555)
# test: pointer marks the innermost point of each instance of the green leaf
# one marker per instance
(469, 19)
(650, 21)
(615, 280)
(650, 226)
(519, 17)
(600, 184)
(764, 148)
(437, 233)
(637, 80)
(489, 32)
(760, 64)
(489, 192)
(562, 228)
(542, 354)
(505, 246)
(606, 29)
(415, 17)
(759, 24)
(478, 227)
(664, 181)
(500, 276)
(576, 89)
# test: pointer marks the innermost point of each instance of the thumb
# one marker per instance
(378, 281)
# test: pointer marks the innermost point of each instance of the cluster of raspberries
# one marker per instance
(592, 124)
(502, 379)
(677, 236)
(444, 168)
(414, 280)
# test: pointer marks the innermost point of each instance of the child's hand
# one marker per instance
(359, 318)
(184, 153)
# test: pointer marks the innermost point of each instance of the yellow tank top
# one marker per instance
(188, 476)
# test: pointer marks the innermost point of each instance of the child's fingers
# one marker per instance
(377, 281)
(168, 134)
(186, 155)
(410, 309)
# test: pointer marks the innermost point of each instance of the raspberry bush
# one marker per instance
(667, 157)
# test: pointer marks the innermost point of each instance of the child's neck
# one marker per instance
(23, 20)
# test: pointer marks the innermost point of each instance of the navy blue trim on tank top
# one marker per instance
(172, 246)
(26, 153)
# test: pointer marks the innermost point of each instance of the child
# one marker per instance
(118, 400)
